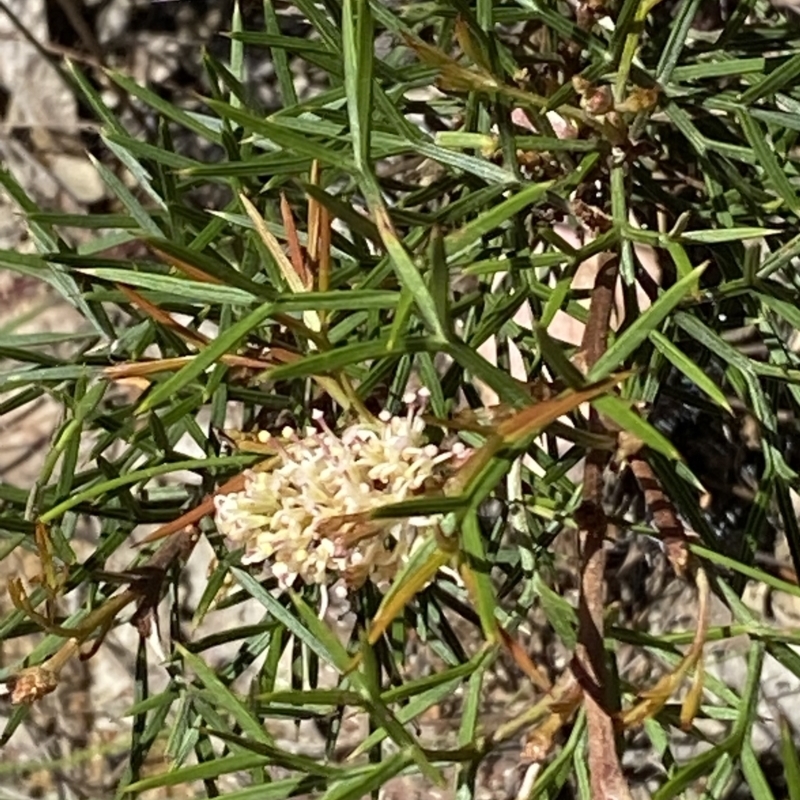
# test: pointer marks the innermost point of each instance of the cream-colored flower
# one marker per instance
(308, 517)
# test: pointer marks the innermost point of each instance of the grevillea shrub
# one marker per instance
(405, 399)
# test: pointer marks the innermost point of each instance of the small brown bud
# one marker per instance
(598, 102)
(640, 99)
(32, 684)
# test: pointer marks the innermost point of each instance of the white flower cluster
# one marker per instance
(308, 517)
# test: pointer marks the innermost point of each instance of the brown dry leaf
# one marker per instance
(452, 75)
(523, 660)
(290, 275)
(162, 317)
(412, 585)
(315, 221)
(566, 699)
(395, 600)
(514, 430)
(656, 698)
(190, 270)
(192, 517)
(138, 369)
(692, 701)
(312, 319)
(469, 46)
(293, 240)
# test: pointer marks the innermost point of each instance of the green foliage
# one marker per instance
(689, 176)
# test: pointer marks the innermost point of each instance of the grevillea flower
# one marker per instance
(308, 516)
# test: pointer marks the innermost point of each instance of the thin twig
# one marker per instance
(676, 540)
(665, 518)
(31, 684)
(589, 666)
(76, 18)
(194, 515)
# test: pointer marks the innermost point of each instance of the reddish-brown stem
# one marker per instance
(589, 665)
(665, 518)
